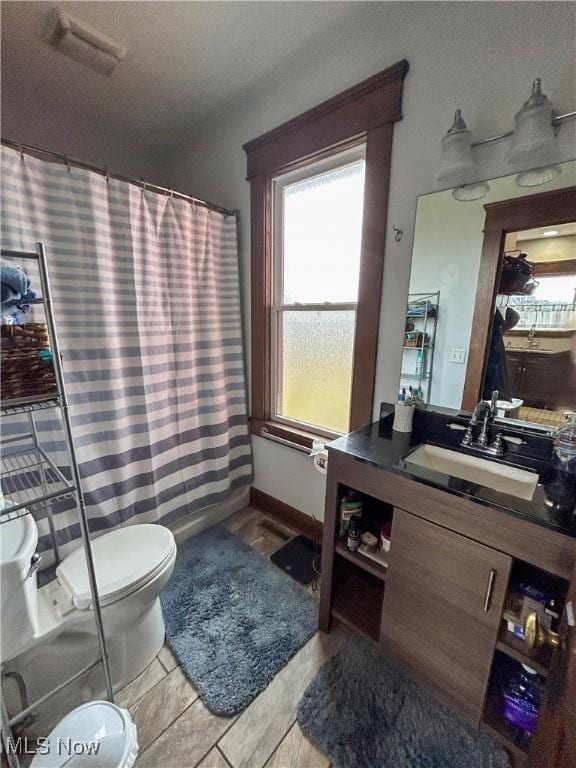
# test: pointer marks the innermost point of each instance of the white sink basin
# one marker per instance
(517, 482)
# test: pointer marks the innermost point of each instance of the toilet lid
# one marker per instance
(95, 735)
(124, 559)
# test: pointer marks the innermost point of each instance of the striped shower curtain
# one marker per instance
(146, 297)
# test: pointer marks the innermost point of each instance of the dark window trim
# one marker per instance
(364, 113)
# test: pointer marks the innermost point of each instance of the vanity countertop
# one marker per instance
(380, 446)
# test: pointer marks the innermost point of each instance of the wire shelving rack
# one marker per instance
(32, 481)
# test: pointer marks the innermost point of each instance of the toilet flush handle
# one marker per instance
(34, 563)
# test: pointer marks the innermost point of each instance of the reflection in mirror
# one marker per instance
(528, 322)
(529, 358)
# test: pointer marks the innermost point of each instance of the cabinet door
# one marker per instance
(544, 379)
(442, 609)
(515, 366)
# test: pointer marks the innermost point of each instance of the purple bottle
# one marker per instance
(521, 699)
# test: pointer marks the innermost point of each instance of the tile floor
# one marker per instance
(175, 730)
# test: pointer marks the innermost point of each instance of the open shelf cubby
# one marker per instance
(516, 648)
(358, 597)
(513, 646)
(516, 741)
(366, 563)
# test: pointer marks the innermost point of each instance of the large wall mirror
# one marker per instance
(492, 302)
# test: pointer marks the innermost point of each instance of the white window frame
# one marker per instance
(279, 183)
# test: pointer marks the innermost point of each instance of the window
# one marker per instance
(318, 199)
(317, 225)
(551, 306)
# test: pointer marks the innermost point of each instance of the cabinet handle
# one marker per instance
(489, 590)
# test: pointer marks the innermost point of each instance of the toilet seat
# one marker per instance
(94, 735)
(124, 560)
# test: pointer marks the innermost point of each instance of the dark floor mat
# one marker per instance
(298, 557)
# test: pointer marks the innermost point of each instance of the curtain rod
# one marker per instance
(59, 157)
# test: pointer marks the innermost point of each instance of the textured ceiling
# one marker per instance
(186, 61)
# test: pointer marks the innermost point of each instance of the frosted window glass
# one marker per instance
(315, 367)
(322, 227)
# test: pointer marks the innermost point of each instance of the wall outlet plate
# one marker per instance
(457, 355)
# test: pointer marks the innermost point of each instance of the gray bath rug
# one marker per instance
(363, 713)
(233, 620)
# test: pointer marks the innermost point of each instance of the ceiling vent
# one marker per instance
(83, 43)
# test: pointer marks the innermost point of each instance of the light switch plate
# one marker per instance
(457, 355)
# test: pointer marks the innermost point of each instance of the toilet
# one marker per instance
(509, 408)
(49, 633)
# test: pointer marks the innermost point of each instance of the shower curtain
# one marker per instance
(147, 304)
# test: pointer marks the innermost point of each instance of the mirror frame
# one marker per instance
(539, 210)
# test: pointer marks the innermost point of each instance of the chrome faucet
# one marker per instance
(484, 414)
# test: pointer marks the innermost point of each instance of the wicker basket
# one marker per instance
(413, 339)
(24, 370)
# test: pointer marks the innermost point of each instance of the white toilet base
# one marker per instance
(134, 648)
(131, 646)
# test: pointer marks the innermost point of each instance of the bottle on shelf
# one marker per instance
(521, 696)
(351, 504)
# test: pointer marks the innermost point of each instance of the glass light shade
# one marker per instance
(467, 193)
(456, 164)
(534, 137)
(538, 176)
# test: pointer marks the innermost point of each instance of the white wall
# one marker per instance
(84, 137)
(481, 57)
(446, 257)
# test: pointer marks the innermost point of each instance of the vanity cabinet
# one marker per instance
(442, 608)
(538, 378)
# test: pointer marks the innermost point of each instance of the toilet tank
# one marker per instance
(18, 587)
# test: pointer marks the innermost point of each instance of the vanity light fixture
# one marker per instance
(534, 136)
(457, 164)
(550, 233)
(536, 125)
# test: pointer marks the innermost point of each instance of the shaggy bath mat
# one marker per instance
(364, 713)
(233, 620)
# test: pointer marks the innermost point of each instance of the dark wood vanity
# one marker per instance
(439, 607)
(538, 377)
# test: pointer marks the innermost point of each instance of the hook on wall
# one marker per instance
(398, 233)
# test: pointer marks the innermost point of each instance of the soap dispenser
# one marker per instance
(561, 485)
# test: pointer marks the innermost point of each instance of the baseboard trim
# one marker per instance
(286, 514)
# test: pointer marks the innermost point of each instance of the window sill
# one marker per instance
(300, 439)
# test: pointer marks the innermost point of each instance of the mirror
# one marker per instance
(492, 302)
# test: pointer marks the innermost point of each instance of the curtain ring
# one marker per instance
(143, 185)
(106, 174)
(397, 233)
(21, 151)
(170, 193)
(67, 163)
